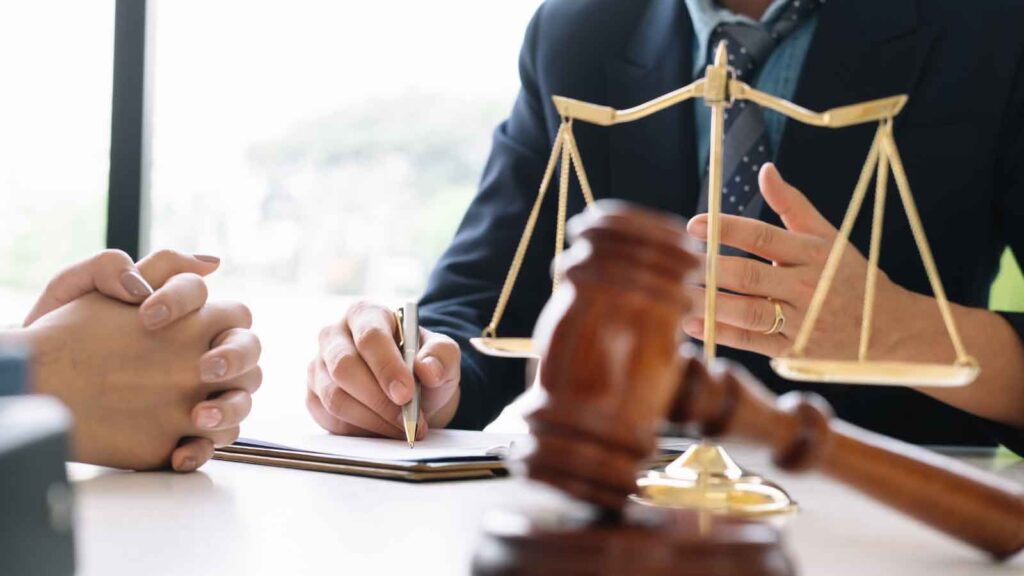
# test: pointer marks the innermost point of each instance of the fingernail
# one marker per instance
(135, 284)
(434, 368)
(208, 418)
(154, 316)
(698, 227)
(397, 392)
(187, 464)
(213, 368)
(691, 325)
(206, 258)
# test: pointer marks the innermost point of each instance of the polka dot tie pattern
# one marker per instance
(747, 146)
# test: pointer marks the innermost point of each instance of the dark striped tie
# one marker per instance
(746, 142)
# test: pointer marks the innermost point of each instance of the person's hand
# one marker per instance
(798, 253)
(179, 292)
(358, 381)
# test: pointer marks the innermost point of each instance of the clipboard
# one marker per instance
(418, 472)
(470, 464)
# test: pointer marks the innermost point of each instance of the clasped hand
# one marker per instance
(797, 254)
(152, 373)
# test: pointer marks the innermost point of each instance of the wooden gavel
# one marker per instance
(612, 373)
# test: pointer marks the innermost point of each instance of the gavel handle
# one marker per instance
(965, 502)
(961, 500)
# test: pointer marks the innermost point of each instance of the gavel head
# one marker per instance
(609, 340)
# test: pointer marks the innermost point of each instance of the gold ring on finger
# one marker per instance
(780, 319)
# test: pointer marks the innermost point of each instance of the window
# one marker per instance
(56, 61)
(324, 150)
(328, 147)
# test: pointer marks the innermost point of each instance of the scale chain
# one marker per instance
(517, 259)
(836, 253)
(565, 151)
(871, 282)
(903, 185)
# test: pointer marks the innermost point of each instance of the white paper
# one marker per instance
(438, 445)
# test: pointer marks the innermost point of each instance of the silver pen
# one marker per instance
(409, 335)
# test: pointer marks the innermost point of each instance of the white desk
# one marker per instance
(242, 519)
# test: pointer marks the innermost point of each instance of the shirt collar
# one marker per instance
(707, 14)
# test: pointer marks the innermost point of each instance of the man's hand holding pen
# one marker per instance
(358, 381)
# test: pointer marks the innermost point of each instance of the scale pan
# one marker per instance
(875, 373)
(505, 347)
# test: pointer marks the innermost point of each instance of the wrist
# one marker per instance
(914, 330)
(44, 348)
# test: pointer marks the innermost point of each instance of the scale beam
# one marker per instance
(608, 116)
(839, 117)
(719, 89)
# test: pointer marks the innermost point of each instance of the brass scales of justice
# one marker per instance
(705, 477)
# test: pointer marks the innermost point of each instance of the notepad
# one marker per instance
(438, 446)
(442, 455)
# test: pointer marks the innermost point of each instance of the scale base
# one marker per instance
(706, 479)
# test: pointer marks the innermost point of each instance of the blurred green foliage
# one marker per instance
(1008, 289)
(45, 231)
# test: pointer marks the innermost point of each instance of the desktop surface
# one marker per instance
(234, 518)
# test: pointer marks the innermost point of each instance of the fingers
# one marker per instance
(113, 274)
(795, 210)
(438, 369)
(330, 423)
(438, 360)
(162, 265)
(755, 278)
(222, 412)
(178, 297)
(772, 345)
(110, 272)
(760, 238)
(343, 368)
(222, 437)
(191, 454)
(234, 352)
(219, 317)
(373, 332)
(747, 312)
(379, 416)
(216, 423)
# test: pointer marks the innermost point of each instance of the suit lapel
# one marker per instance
(854, 56)
(653, 161)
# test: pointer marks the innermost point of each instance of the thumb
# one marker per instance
(111, 272)
(795, 210)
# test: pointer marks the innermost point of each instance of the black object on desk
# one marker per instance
(35, 497)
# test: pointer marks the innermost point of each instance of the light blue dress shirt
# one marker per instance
(778, 76)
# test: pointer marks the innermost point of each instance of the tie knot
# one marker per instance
(749, 45)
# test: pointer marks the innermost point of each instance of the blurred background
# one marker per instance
(295, 139)
(324, 149)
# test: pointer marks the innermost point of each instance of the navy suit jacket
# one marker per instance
(961, 137)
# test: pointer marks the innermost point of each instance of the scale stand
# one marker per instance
(704, 477)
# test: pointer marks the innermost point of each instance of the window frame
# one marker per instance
(128, 183)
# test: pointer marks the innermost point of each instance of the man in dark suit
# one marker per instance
(962, 140)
